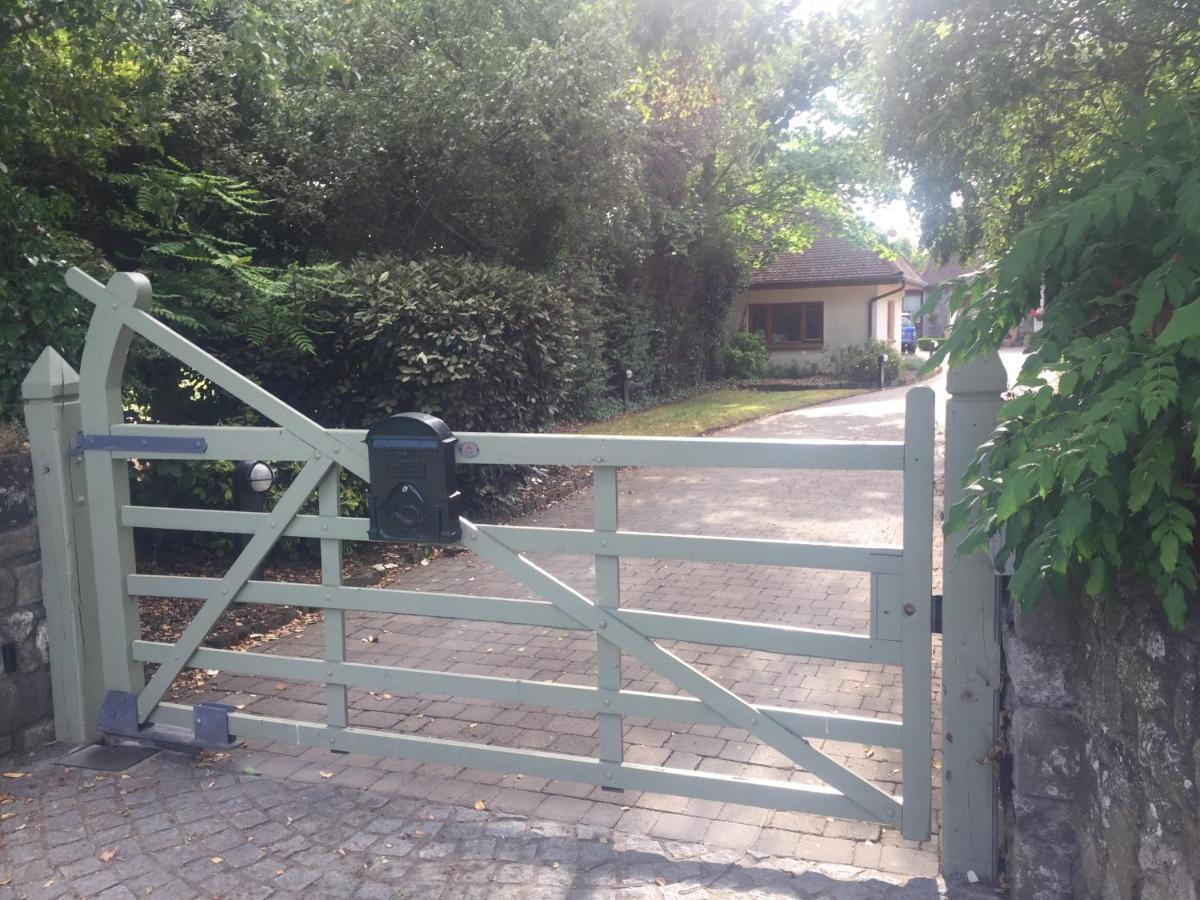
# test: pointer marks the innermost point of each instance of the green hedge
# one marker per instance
(484, 347)
(745, 355)
(929, 344)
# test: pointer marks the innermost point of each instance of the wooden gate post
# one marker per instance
(970, 640)
(51, 395)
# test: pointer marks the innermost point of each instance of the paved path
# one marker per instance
(173, 829)
(702, 847)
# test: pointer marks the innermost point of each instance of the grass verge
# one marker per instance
(712, 410)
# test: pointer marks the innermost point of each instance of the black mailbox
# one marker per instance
(414, 494)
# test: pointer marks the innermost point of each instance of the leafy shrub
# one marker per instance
(1094, 468)
(484, 347)
(859, 364)
(928, 344)
(745, 355)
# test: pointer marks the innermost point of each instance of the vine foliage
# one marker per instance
(1093, 467)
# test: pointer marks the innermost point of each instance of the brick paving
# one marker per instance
(176, 829)
(696, 848)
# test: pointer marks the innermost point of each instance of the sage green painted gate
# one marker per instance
(901, 582)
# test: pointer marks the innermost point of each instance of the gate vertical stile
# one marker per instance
(606, 503)
(328, 502)
(916, 581)
(101, 407)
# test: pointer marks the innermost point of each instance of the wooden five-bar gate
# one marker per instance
(900, 606)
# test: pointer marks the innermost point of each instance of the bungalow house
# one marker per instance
(833, 295)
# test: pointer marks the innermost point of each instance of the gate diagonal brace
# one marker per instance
(210, 725)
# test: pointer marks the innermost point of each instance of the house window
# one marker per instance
(785, 325)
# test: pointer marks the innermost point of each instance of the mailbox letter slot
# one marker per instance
(414, 496)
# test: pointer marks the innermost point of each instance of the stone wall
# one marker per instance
(1102, 718)
(25, 706)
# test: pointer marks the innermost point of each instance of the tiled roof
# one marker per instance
(831, 259)
(936, 274)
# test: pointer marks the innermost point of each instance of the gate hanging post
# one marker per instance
(970, 639)
(52, 416)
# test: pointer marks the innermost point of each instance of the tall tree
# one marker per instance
(994, 109)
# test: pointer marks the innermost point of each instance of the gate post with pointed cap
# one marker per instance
(52, 417)
(970, 640)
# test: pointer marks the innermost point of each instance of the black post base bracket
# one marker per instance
(210, 725)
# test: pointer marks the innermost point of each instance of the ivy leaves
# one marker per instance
(1094, 468)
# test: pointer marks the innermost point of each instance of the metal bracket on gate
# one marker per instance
(210, 725)
(132, 443)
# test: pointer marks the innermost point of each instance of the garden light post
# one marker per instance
(252, 479)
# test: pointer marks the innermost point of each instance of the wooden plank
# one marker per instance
(783, 639)
(404, 681)
(235, 442)
(916, 584)
(814, 800)
(526, 539)
(605, 500)
(52, 417)
(101, 404)
(971, 671)
(336, 711)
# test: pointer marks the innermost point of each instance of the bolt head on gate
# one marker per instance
(414, 496)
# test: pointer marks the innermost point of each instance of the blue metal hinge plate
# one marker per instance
(130, 443)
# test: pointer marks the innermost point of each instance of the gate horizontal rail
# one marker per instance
(884, 558)
(783, 639)
(499, 448)
(806, 723)
(813, 799)
(901, 572)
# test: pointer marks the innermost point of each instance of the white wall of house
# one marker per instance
(845, 317)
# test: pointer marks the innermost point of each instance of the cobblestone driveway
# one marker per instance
(175, 830)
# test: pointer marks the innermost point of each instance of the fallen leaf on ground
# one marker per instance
(341, 851)
(554, 865)
(6, 798)
(326, 774)
(15, 774)
(371, 639)
(279, 871)
(479, 804)
(108, 854)
(280, 686)
(660, 881)
(216, 859)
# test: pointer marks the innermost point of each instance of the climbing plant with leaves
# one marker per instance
(1094, 467)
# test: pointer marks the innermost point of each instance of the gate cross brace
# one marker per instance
(224, 591)
(733, 708)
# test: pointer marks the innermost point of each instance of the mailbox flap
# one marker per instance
(411, 425)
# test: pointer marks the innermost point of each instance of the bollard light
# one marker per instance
(260, 477)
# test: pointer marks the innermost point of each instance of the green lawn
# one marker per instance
(714, 409)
